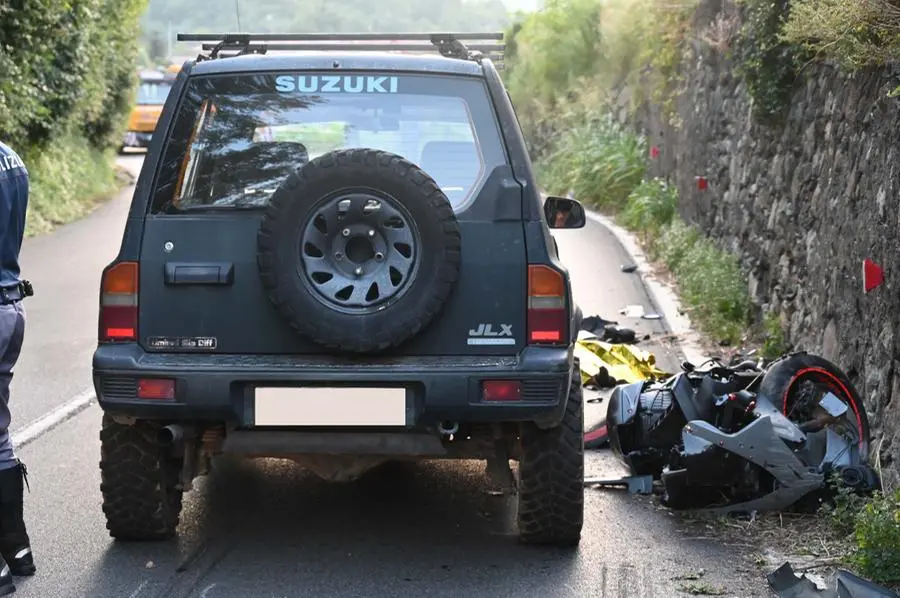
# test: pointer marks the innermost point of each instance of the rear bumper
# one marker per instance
(220, 388)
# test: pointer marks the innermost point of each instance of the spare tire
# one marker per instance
(359, 250)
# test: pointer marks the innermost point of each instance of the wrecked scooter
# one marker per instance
(746, 437)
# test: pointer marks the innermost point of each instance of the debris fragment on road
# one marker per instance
(628, 268)
(632, 311)
(641, 484)
(787, 584)
(608, 330)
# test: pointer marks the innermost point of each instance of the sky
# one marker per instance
(526, 5)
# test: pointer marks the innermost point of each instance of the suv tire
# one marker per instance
(288, 248)
(138, 481)
(551, 476)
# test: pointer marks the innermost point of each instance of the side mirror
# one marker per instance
(562, 212)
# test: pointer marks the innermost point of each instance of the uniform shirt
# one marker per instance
(13, 205)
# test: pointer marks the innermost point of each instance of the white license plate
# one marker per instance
(330, 406)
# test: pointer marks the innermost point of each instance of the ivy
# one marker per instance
(768, 66)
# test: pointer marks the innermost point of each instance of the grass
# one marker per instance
(68, 180)
(710, 280)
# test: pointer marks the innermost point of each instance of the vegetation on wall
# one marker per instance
(768, 65)
(855, 34)
(67, 73)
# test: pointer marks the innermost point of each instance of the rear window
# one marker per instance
(153, 93)
(237, 137)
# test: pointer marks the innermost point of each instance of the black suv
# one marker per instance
(338, 254)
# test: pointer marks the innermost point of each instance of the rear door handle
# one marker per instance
(199, 273)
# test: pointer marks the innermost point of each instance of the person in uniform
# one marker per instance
(15, 546)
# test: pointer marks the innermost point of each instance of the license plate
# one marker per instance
(330, 406)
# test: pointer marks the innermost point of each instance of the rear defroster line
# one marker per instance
(53, 418)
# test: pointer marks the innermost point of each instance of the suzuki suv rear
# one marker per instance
(340, 258)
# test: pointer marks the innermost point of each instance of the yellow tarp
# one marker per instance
(622, 362)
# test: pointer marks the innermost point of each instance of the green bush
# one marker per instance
(774, 343)
(554, 50)
(67, 75)
(600, 161)
(650, 206)
(710, 280)
(871, 524)
(877, 535)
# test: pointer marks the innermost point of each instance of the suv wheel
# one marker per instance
(551, 476)
(139, 482)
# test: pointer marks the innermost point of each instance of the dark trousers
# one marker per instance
(12, 333)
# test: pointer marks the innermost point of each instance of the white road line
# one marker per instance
(50, 420)
(139, 589)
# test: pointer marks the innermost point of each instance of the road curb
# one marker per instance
(663, 295)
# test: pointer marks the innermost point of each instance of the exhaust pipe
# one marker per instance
(448, 428)
(171, 434)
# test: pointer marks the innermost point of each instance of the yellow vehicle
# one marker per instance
(152, 92)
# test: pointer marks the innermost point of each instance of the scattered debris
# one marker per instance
(607, 359)
(690, 576)
(642, 484)
(607, 330)
(596, 435)
(717, 441)
(603, 364)
(786, 584)
(632, 311)
(629, 268)
(652, 317)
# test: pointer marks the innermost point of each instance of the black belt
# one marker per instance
(15, 293)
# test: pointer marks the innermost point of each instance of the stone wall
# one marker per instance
(802, 203)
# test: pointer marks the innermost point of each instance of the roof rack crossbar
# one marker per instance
(356, 47)
(447, 44)
(300, 37)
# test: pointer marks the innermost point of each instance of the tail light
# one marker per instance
(156, 388)
(501, 390)
(119, 303)
(548, 318)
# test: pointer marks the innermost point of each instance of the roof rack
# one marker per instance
(447, 44)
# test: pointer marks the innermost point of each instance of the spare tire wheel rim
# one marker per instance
(359, 251)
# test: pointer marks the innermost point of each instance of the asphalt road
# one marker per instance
(267, 529)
